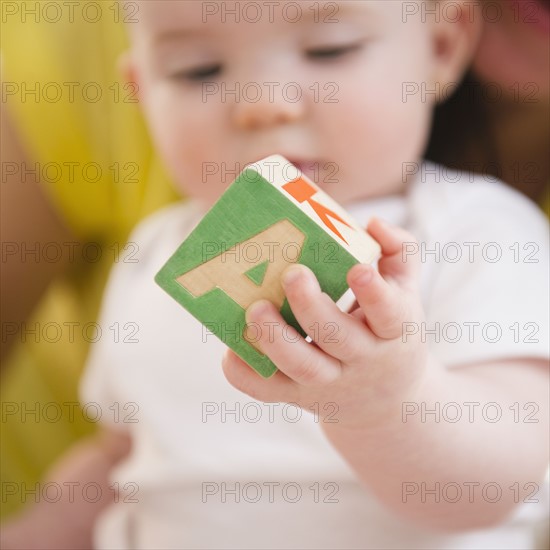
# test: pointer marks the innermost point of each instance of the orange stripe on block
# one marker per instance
(302, 191)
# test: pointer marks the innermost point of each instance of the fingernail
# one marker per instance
(385, 223)
(257, 309)
(364, 277)
(292, 274)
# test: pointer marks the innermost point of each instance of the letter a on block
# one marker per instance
(227, 271)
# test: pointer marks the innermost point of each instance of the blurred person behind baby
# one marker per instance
(498, 120)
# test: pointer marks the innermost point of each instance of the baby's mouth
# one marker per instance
(308, 168)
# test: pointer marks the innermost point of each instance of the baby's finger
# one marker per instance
(385, 307)
(299, 360)
(395, 262)
(335, 332)
(278, 388)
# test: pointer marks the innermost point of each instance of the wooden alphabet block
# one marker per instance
(270, 217)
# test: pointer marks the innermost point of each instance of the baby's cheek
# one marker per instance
(179, 141)
(381, 136)
(202, 170)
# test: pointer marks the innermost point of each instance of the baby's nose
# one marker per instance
(269, 105)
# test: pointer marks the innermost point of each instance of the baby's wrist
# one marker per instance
(385, 414)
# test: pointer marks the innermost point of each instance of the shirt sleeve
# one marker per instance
(486, 263)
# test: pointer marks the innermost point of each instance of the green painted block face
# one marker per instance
(236, 255)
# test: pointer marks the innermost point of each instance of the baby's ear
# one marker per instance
(127, 70)
(456, 37)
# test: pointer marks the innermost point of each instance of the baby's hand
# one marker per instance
(358, 360)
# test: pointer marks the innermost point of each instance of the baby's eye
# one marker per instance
(199, 74)
(331, 52)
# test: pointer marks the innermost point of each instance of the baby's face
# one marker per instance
(321, 83)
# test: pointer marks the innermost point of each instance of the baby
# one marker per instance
(421, 422)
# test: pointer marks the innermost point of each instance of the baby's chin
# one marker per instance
(364, 192)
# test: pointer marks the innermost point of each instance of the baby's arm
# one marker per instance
(371, 374)
(407, 462)
(69, 521)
